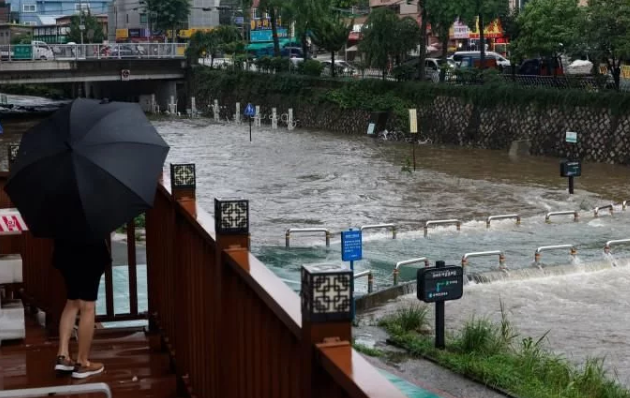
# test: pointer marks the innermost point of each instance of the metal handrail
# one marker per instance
(287, 235)
(91, 388)
(562, 213)
(503, 217)
(441, 222)
(380, 226)
(408, 262)
(537, 254)
(499, 253)
(614, 242)
(370, 278)
(597, 209)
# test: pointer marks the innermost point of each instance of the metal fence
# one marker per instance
(82, 52)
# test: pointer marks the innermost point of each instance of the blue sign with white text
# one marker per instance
(351, 245)
(250, 111)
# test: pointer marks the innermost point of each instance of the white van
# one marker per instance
(501, 60)
(41, 50)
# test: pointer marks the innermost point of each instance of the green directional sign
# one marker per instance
(440, 284)
(22, 51)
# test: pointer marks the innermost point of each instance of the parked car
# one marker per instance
(500, 60)
(342, 68)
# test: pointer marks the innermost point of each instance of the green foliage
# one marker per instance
(548, 28)
(607, 32)
(484, 351)
(52, 91)
(93, 32)
(480, 13)
(369, 351)
(310, 68)
(380, 37)
(376, 96)
(169, 14)
(21, 38)
(225, 39)
(331, 34)
(409, 318)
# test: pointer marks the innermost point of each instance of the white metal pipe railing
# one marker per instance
(381, 226)
(614, 242)
(574, 213)
(404, 263)
(370, 278)
(91, 388)
(504, 217)
(499, 253)
(537, 254)
(287, 235)
(441, 222)
(597, 209)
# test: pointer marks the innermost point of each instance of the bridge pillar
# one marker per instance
(165, 90)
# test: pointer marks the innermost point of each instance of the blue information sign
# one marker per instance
(1, 129)
(351, 245)
(250, 111)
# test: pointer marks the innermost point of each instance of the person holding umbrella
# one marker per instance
(88, 169)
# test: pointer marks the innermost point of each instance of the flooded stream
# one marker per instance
(305, 178)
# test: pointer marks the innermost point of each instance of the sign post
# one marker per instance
(351, 250)
(250, 113)
(437, 285)
(570, 168)
(413, 129)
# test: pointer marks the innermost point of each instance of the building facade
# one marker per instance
(35, 13)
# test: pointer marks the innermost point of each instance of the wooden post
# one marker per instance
(231, 224)
(323, 320)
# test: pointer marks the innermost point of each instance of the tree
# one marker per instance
(478, 14)
(274, 8)
(442, 14)
(379, 36)
(406, 31)
(332, 34)
(607, 29)
(225, 39)
(548, 28)
(169, 14)
(93, 32)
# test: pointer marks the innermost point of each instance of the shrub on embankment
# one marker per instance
(490, 116)
(496, 355)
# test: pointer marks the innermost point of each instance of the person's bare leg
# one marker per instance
(86, 330)
(66, 325)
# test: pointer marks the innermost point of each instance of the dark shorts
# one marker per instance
(82, 282)
(82, 264)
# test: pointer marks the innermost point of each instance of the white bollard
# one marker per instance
(216, 110)
(274, 118)
(257, 118)
(153, 104)
(290, 123)
(193, 107)
(237, 115)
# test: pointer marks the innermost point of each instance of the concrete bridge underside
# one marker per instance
(103, 78)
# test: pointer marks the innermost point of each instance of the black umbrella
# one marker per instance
(87, 170)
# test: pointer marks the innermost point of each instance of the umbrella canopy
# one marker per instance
(87, 170)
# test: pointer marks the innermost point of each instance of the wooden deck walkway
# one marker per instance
(134, 367)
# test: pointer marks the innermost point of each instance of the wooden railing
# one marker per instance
(232, 327)
(43, 286)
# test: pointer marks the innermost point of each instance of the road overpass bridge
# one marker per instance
(100, 71)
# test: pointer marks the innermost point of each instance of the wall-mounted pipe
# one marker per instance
(441, 222)
(499, 253)
(503, 217)
(408, 262)
(537, 254)
(287, 235)
(370, 278)
(574, 213)
(381, 226)
(597, 209)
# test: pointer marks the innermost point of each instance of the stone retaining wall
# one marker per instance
(603, 136)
